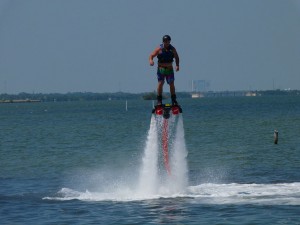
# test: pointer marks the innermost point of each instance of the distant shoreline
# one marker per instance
(90, 96)
(20, 101)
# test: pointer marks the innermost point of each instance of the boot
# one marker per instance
(159, 100)
(174, 101)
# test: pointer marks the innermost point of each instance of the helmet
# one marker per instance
(166, 38)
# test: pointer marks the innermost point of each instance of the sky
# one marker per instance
(60, 46)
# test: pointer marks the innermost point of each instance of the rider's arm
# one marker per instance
(176, 56)
(152, 55)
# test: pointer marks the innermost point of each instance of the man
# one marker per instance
(165, 54)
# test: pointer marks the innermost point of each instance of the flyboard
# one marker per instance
(165, 111)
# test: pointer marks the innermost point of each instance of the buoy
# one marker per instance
(275, 137)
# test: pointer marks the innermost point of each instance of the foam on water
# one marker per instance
(265, 194)
(208, 193)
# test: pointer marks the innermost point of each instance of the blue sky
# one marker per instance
(103, 45)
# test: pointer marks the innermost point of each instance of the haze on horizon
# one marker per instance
(103, 46)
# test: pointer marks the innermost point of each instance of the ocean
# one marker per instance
(94, 162)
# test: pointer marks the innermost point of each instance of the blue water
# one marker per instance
(84, 163)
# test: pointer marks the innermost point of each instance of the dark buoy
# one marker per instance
(275, 137)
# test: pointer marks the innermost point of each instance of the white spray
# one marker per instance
(148, 175)
(179, 178)
(153, 181)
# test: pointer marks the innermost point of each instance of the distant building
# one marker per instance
(198, 87)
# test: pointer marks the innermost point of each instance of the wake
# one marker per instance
(208, 193)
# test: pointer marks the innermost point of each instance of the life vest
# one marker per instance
(166, 55)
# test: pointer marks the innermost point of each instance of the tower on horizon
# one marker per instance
(200, 85)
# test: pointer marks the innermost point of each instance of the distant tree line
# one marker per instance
(90, 96)
(279, 92)
(81, 96)
(74, 96)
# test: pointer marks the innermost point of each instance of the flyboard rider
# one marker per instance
(165, 54)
